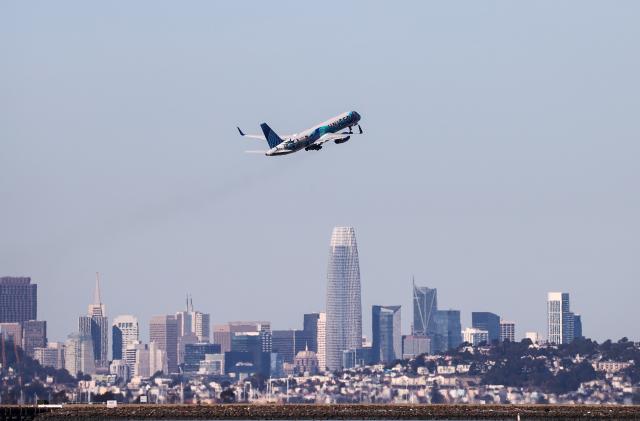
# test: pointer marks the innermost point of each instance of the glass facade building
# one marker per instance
(490, 322)
(425, 304)
(18, 300)
(386, 334)
(560, 320)
(344, 307)
(448, 330)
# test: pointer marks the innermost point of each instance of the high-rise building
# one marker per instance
(163, 330)
(310, 331)
(284, 343)
(507, 331)
(192, 321)
(78, 354)
(18, 299)
(475, 336)
(96, 325)
(425, 305)
(490, 322)
(34, 335)
(448, 330)
(50, 356)
(560, 320)
(344, 307)
(124, 332)
(386, 333)
(577, 326)
(322, 336)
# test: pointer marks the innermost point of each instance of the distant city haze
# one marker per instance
(499, 159)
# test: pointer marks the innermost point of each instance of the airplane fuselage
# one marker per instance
(309, 137)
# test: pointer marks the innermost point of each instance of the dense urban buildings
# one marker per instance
(386, 333)
(344, 307)
(18, 299)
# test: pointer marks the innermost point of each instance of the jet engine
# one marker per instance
(344, 139)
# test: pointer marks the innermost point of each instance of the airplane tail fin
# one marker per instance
(272, 138)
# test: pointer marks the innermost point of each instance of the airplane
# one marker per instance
(311, 139)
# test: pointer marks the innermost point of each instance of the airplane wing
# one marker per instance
(252, 136)
(332, 136)
(260, 137)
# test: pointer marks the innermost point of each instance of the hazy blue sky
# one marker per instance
(500, 159)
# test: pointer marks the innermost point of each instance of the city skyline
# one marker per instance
(498, 155)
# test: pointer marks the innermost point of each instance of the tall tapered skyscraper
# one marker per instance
(425, 305)
(96, 325)
(344, 308)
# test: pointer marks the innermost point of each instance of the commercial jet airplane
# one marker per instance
(311, 139)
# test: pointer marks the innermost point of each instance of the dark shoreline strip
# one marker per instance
(327, 412)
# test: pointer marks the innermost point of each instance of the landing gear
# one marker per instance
(313, 148)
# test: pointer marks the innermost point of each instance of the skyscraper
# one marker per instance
(344, 308)
(386, 333)
(490, 322)
(425, 304)
(18, 299)
(163, 330)
(560, 321)
(124, 332)
(448, 330)
(322, 341)
(192, 321)
(96, 325)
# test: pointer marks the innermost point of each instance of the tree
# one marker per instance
(228, 396)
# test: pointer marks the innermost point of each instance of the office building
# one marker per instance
(222, 333)
(163, 331)
(386, 334)
(560, 320)
(577, 326)
(96, 325)
(425, 305)
(357, 357)
(18, 299)
(195, 353)
(507, 331)
(192, 321)
(322, 341)
(34, 335)
(475, 336)
(414, 345)
(490, 322)
(50, 356)
(448, 331)
(310, 331)
(344, 307)
(212, 365)
(79, 354)
(124, 332)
